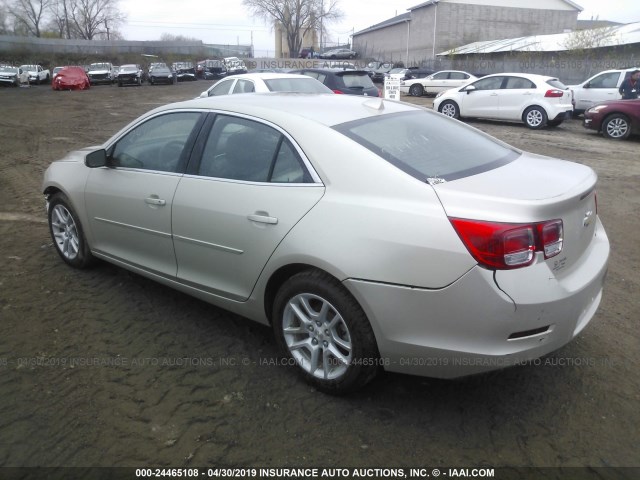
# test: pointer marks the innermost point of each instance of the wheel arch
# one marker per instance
(535, 105)
(278, 278)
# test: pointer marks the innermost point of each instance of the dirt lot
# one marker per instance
(105, 368)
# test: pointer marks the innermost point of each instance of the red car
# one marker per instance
(616, 119)
(71, 78)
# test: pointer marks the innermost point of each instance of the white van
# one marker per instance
(600, 87)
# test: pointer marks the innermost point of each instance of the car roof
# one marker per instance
(530, 76)
(288, 108)
(340, 71)
(265, 75)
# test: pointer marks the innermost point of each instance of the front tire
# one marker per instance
(323, 329)
(616, 127)
(66, 233)
(534, 117)
(450, 109)
(416, 90)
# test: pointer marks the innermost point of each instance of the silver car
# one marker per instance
(369, 234)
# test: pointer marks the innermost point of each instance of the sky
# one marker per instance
(229, 22)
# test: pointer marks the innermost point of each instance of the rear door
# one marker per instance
(250, 186)
(517, 93)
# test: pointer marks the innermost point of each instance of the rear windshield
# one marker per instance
(555, 83)
(356, 80)
(428, 146)
(302, 85)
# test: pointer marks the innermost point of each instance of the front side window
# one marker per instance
(606, 80)
(157, 144)
(441, 76)
(241, 149)
(428, 146)
(491, 83)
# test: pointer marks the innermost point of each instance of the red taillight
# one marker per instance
(338, 91)
(503, 246)
(554, 93)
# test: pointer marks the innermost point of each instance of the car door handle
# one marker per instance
(262, 218)
(155, 201)
(493, 95)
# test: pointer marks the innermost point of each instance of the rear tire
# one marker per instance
(534, 117)
(416, 90)
(616, 127)
(325, 333)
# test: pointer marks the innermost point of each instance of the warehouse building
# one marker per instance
(437, 25)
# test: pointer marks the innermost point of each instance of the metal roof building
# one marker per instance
(579, 39)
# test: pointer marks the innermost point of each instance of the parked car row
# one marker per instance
(536, 100)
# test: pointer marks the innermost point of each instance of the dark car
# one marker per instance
(161, 74)
(616, 119)
(378, 73)
(211, 69)
(339, 53)
(129, 75)
(415, 72)
(185, 71)
(351, 82)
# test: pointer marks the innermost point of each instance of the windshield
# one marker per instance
(99, 66)
(28, 67)
(8, 69)
(301, 85)
(357, 80)
(128, 68)
(427, 145)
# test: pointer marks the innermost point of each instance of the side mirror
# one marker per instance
(587, 85)
(469, 89)
(96, 159)
(204, 94)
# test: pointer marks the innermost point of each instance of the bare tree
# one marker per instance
(60, 22)
(592, 38)
(169, 37)
(295, 17)
(29, 15)
(4, 27)
(89, 19)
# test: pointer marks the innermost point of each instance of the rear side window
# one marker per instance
(428, 146)
(519, 83)
(555, 83)
(302, 84)
(241, 149)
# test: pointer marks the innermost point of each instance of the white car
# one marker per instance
(265, 82)
(435, 83)
(367, 237)
(599, 88)
(535, 100)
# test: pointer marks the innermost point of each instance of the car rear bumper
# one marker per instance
(473, 326)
